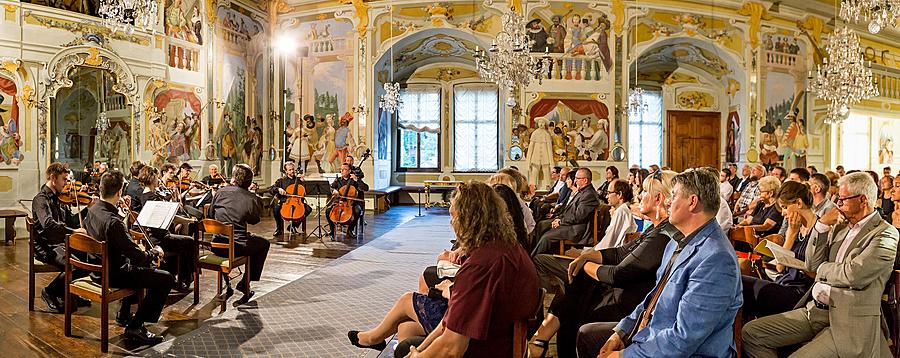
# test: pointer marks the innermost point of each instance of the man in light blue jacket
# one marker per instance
(691, 311)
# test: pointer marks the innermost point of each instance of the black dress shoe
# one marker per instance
(52, 302)
(82, 302)
(245, 298)
(354, 340)
(142, 336)
(182, 287)
(122, 319)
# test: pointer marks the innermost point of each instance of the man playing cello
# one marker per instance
(282, 191)
(339, 187)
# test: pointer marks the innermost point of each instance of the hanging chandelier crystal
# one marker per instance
(843, 78)
(390, 100)
(129, 14)
(508, 62)
(102, 122)
(879, 13)
(636, 103)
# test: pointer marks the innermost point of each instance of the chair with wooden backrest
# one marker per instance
(138, 238)
(222, 265)
(601, 220)
(521, 329)
(205, 210)
(744, 235)
(87, 288)
(34, 265)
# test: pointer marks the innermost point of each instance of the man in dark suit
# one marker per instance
(574, 222)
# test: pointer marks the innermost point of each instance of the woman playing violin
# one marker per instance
(341, 186)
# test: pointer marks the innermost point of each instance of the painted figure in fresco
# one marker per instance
(585, 133)
(538, 35)
(597, 45)
(329, 134)
(197, 22)
(575, 32)
(768, 146)
(886, 151)
(540, 157)
(557, 34)
(176, 25)
(599, 143)
(343, 140)
(309, 142)
(299, 143)
(229, 144)
(560, 152)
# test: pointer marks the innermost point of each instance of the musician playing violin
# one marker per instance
(214, 179)
(279, 191)
(168, 177)
(130, 266)
(348, 178)
(50, 216)
(134, 188)
(180, 244)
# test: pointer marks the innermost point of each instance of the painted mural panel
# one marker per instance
(179, 127)
(784, 139)
(87, 7)
(572, 30)
(887, 133)
(183, 20)
(232, 124)
(579, 128)
(10, 125)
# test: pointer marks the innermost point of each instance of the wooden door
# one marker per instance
(693, 139)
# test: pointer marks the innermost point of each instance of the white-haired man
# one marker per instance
(852, 252)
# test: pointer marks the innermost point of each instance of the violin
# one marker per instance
(185, 183)
(293, 209)
(74, 193)
(125, 211)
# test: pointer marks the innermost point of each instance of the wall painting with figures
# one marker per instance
(10, 124)
(175, 135)
(784, 139)
(184, 21)
(316, 82)
(579, 128)
(572, 29)
(236, 133)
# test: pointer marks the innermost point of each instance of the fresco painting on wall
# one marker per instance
(231, 126)
(783, 138)
(10, 128)
(887, 132)
(574, 33)
(183, 20)
(580, 129)
(87, 7)
(180, 126)
(782, 44)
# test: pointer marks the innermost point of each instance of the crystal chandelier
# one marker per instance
(390, 100)
(843, 78)
(636, 103)
(102, 122)
(878, 13)
(129, 14)
(508, 62)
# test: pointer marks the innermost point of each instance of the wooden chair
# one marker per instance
(34, 265)
(85, 287)
(521, 329)
(601, 220)
(221, 265)
(138, 238)
(741, 237)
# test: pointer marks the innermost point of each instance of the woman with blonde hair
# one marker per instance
(497, 271)
(615, 280)
(514, 184)
(766, 218)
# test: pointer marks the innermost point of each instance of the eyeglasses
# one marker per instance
(576, 178)
(612, 192)
(840, 201)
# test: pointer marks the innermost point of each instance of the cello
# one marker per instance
(293, 209)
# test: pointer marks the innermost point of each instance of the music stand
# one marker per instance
(318, 188)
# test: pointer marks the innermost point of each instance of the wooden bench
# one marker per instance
(11, 214)
(384, 197)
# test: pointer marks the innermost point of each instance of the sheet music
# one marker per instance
(157, 214)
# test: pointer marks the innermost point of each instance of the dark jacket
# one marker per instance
(50, 220)
(103, 223)
(577, 218)
(237, 206)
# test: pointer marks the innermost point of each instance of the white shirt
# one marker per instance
(822, 291)
(559, 185)
(725, 190)
(529, 216)
(724, 217)
(621, 223)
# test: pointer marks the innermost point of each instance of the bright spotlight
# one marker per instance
(285, 45)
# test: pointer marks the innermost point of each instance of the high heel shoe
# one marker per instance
(354, 340)
(542, 344)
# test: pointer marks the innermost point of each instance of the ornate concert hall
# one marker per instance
(461, 178)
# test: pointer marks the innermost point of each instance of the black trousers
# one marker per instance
(279, 221)
(57, 257)
(158, 284)
(585, 301)
(183, 264)
(765, 298)
(351, 225)
(254, 247)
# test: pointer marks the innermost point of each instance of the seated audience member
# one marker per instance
(818, 186)
(779, 172)
(614, 279)
(574, 222)
(619, 196)
(612, 173)
(748, 199)
(743, 180)
(884, 200)
(496, 272)
(833, 189)
(563, 197)
(765, 219)
(811, 169)
(895, 197)
(799, 175)
(509, 182)
(852, 251)
(725, 188)
(697, 294)
(763, 296)
(540, 206)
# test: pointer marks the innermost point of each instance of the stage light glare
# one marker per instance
(285, 45)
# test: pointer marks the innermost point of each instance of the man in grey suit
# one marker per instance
(852, 253)
(574, 222)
